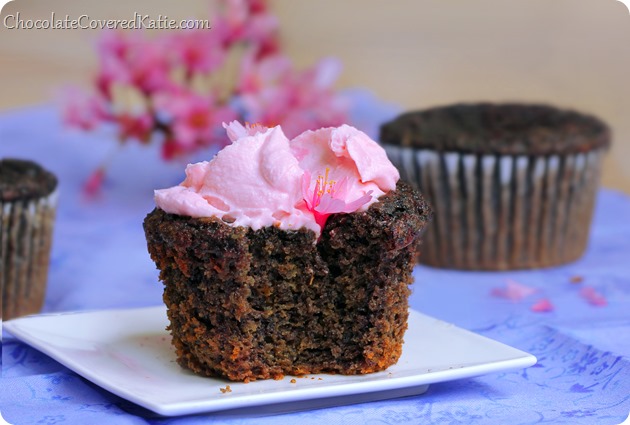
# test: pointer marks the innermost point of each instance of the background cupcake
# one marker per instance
(512, 185)
(27, 210)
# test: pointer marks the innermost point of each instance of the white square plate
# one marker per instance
(128, 352)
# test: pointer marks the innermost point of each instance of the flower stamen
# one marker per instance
(323, 186)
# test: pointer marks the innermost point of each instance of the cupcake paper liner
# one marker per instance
(25, 242)
(499, 212)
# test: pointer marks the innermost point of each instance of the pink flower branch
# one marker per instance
(175, 84)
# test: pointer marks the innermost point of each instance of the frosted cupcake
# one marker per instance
(287, 257)
(512, 185)
(28, 199)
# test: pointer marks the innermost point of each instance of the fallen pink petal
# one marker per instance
(94, 183)
(593, 297)
(542, 306)
(513, 291)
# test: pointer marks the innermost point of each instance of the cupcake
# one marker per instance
(28, 199)
(512, 185)
(287, 257)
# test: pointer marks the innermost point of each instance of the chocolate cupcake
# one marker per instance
(247, 304)
(512, 185)
(269, 271)
(28, 198)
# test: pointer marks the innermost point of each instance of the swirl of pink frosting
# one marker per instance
(263, 179)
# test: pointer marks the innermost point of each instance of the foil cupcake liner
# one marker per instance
(501, 212)
(25, 240)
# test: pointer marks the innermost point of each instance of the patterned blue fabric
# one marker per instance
(99, 261)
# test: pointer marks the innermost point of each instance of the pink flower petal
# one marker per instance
(329, 205)
(542, 306)
(93, 184)
(306, 183)
(513, 291)
(358, 203)
(593, 297)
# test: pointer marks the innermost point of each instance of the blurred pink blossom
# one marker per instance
(181, 85)
(135, 126)
(266, 74)
(149, 67)
(247, 21)
(129, 58)
(275, 94)
(193, 119)
(82, 110)
(199, 51)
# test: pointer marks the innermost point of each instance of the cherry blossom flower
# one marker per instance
(343, 160)
(171, 149)
(248, 21)
(259, 75)
(193, 119)
(149, 68)
(113, 47)
(198, 51)
(132, 59)
(329, 197)
(131, 115)
(139, 126)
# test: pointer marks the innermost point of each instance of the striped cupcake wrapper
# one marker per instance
(25, 241)
(501, 212)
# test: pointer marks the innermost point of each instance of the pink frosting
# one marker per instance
(263, 179)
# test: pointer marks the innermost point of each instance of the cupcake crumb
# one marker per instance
(227, 389)
(576, 279)
(293, 381)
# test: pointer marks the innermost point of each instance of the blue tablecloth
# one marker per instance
(99, 261)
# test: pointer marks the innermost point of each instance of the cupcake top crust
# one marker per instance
(489, 128)
(24, 180)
